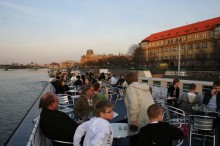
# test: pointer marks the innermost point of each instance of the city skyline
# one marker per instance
(54, 31)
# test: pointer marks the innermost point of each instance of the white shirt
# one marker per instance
(112, 81)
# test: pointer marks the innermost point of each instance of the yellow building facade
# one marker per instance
(196, 45)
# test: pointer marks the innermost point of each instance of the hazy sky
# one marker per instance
(43, 31)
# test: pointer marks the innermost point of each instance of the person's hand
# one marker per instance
(133, 122)
(133, 128)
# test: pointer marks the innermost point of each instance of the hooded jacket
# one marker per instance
(137, 100)
(97, 131)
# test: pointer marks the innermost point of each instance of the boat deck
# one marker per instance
(120, 108)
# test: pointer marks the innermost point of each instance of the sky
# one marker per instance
(46, 31)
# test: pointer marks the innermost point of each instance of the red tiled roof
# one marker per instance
(183, 30)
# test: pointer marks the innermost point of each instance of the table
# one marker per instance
(204, 108)
(121, 130)
(73, 92)
(74, 98)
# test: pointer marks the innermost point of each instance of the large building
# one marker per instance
(197, 45)
(90, 56)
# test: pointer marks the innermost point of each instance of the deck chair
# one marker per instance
(176, 117)
(202, 126)
(64, 105)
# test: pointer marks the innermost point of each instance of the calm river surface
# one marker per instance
(18, 90)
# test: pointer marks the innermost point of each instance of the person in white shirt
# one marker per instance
(97, 131)
(112, 80)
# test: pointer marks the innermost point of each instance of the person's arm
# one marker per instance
(77, 108)
(80, 132)
(133, 103)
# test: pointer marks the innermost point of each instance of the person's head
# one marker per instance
(216, 87)
(104, 109)
(87, 81)
(49, 101)
(89, 91)
(192, 87)
(96, 86)
(78, 77)
(62, 82)
(131, 77)
(155, 112)
(122, 76)
(176, 82)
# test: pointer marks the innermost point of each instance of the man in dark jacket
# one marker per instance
(54, 124)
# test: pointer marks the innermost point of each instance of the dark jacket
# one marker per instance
(158, 134)
(56, 125)
(171, 91)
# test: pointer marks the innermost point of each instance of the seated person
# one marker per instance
(112, 80)
(158, 133)
(97, 90)
(54, 124)
(121, 81)
(84, 104)
(188, 100)
(97, 131)
(78, 82)
(60, 86)
(214, 102)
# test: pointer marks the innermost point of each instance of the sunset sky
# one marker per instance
(44, 31)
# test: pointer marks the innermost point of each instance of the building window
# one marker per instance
(212, 55)
(182, 56)
(190, 56)
(168, 41)
(212, 44)
(171, 41)
(204, 55)
(174, 49)
(157, 50)
(189, 37)
(204, 45)
(182, 47)
(196, 46)
(174, 57)
(190, 46)
(204, 35)
(197, 56)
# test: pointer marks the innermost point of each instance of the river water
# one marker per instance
(18, 90)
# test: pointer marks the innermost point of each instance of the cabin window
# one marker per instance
(169, 84)
(144, 81)
(157, 83)
(206, 89)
